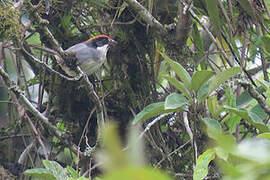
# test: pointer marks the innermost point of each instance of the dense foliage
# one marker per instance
(187, 86)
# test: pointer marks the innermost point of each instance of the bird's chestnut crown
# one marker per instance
(100, 40)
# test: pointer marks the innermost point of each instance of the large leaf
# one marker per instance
(175, 101)
(199, 78)
(179, 86)
(40, 173)
(56, 169)
(202, 94)
(250, 117)
(150, 111)
(201, 169)
(179, 70)
(223, 76)
(213, 127)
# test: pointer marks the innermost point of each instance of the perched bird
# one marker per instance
(90, 54)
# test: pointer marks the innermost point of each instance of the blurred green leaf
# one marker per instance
(256, 150)
(265, 84)
(201, 169)
(111, 156)
(247, 7)
(72, 172)
(213, 11)
(199, 78)
(135, 151)
(199, 46)
(34, 39)
(179, 86)
(57, 170)
(221, 153)
(226, 142)
(230, 98)
(133, 173)
(266, 42)
(212, 104)
(150, 111)
(232, 122)
(179, 70)
(40, 173)
(223, 76)
(213, 127)
(264, 135)
(175, 101)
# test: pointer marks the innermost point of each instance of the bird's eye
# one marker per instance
(101, 42)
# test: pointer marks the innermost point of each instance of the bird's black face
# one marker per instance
(100, 41)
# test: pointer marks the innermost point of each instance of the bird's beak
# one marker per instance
(112, 42)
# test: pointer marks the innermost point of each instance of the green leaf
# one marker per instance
(226, 142)
(223, 76)
(245, 97)
(111, 156)
(139, 173)
(56, 169)
(258, 110)
(213, 127)
(150, 111)
(203, 92)
(179, 86)
(230, 98)
(232, 122)
(266, 42)
(250, 117)
(265, 84)
(264, 135)
(212, 104)
(72, 172)
(221, 153)
(198, 41)
(247, 7)
(213, 11)
(175, 101)
(255, 150)
(34, 39)
(179, 70)
(201, 169)
(40, 173)
(199, 78)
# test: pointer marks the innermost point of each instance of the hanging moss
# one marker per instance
(10, 26)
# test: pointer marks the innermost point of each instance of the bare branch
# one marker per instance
(146, 16)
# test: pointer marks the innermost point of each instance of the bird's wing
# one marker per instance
(83, 52)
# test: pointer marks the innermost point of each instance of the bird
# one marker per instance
(90, 54)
